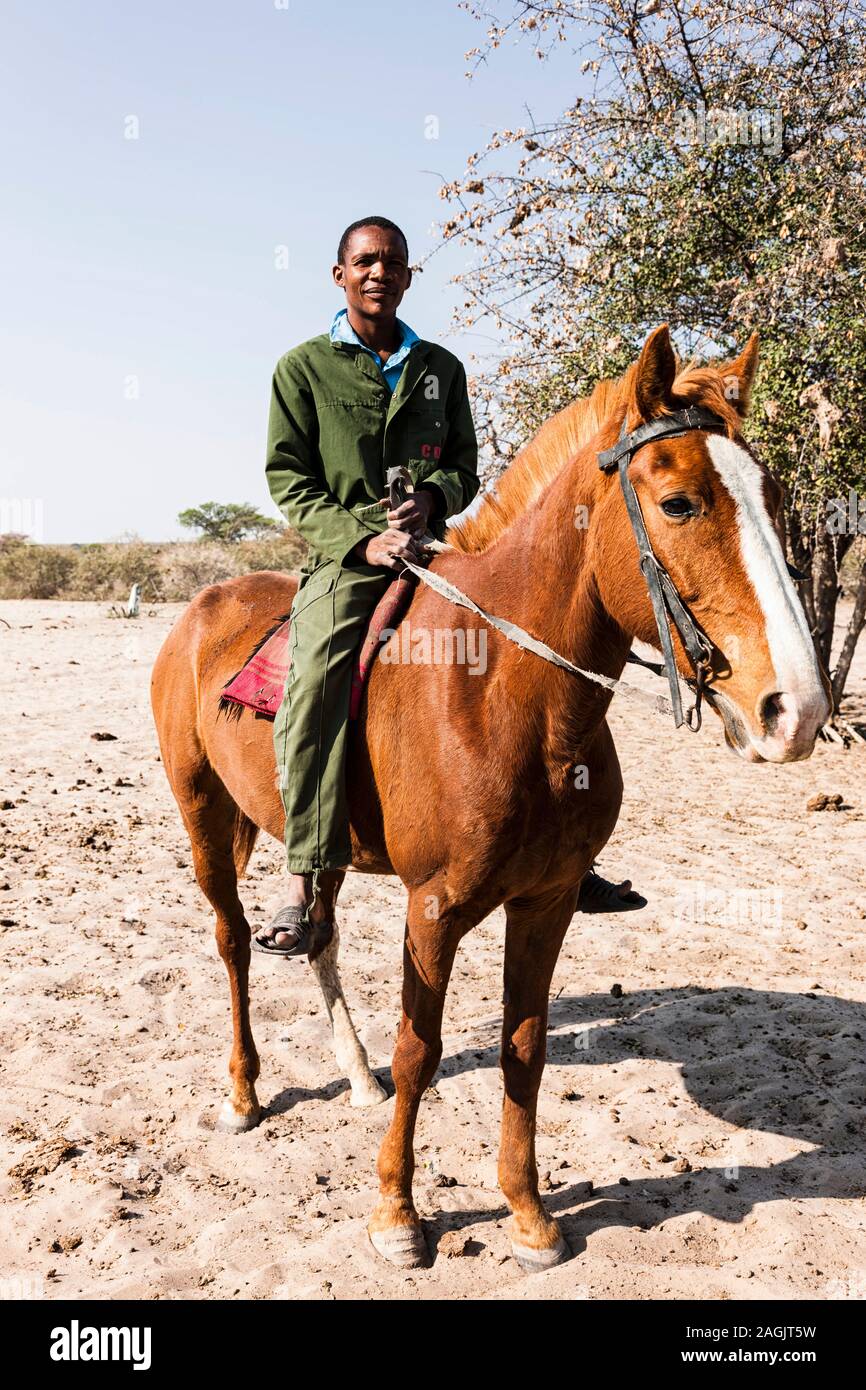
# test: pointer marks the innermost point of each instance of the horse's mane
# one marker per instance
(560, 438)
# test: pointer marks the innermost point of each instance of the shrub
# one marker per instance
(170, 573)
(35, 571)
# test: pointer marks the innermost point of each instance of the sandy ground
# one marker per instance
(702, 1135)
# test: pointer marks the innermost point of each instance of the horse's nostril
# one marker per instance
(769, 711)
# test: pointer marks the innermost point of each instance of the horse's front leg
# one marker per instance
(533, 937)
(428, 956)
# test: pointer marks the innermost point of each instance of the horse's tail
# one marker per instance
(243, 841)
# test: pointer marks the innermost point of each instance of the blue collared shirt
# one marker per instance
(343, 332)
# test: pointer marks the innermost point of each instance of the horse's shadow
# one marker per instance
(788, 1064)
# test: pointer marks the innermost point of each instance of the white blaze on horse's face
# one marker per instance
(789, 712)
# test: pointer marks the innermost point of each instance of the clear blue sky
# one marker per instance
(149, 263)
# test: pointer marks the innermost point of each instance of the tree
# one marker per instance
(228, 521)
(711, 176)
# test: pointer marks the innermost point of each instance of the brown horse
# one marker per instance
(501, 788)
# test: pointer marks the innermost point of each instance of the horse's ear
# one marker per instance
(654, 375)
(739, 375)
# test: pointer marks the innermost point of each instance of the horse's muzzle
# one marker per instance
(784, 727)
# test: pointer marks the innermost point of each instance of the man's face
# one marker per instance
(375, 272)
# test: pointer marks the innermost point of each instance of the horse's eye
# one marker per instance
(677, 506)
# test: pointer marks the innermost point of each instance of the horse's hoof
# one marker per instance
(369, 1093)
(403, 1246)
(232, 1121)
(531, 1261)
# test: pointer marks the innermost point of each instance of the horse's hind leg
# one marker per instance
(533, 937)
(348, 1049)
(221, 840)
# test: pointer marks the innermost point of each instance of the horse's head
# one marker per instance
(713, 515)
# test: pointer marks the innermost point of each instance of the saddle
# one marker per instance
(259, 685)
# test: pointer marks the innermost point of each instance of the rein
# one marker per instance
(668, 607)
(533, 644)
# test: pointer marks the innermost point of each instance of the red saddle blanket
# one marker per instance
(260, 683)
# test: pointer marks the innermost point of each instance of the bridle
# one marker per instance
(668, 607)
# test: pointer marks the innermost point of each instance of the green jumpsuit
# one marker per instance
(334, 431)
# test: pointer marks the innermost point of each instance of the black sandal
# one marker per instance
(597, 894)
(310, 937)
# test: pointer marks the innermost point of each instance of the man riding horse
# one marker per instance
(345, 407)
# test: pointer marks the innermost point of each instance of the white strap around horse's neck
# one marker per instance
(523, 639)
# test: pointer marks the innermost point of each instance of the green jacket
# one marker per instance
(334, 431)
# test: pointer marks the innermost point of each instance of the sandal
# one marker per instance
(597, 894)
(309, 937)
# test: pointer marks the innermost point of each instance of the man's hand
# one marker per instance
(406, 524)
(413, 514)
(389, 549)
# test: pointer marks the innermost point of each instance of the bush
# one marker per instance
(171, 572)
(193, 565)
(109, 571)
(35, 571)
(283, 552)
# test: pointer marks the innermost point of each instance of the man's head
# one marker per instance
(373, 267)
